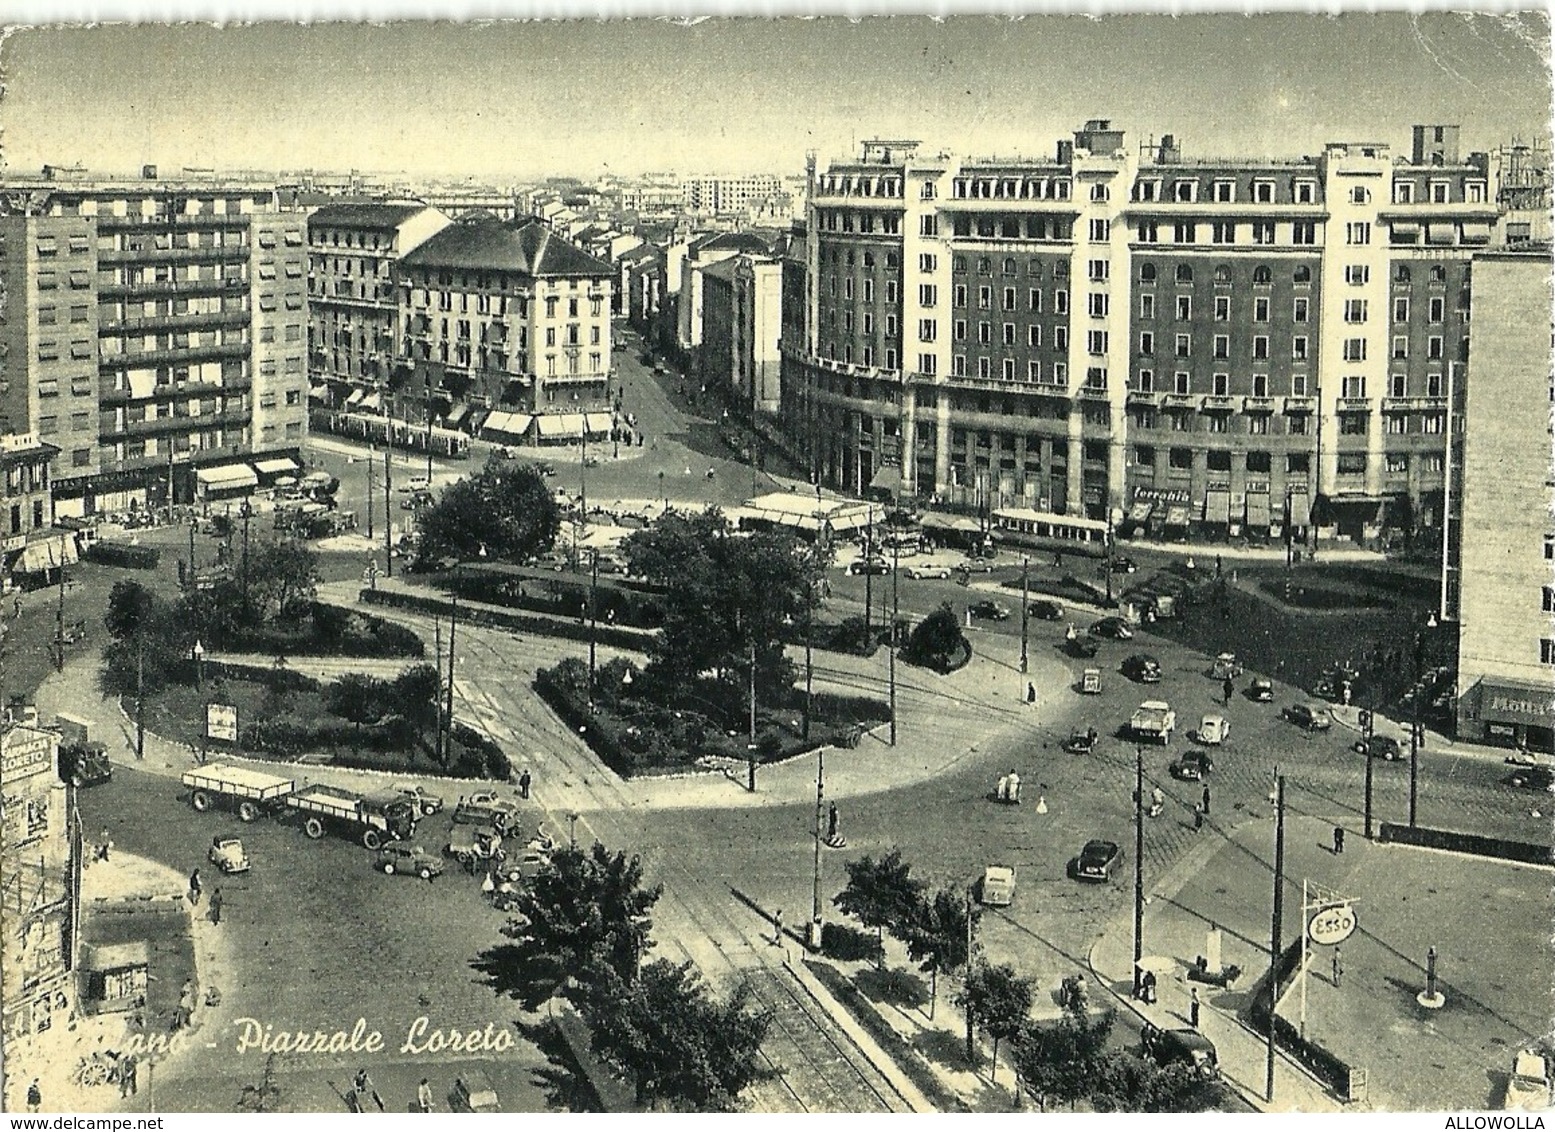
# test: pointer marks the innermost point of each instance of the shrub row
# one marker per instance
(1477, 844)
(334, 632)
(123, 554)
(509, 619)
(1327, 1066)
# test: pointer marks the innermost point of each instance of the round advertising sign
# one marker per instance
(1331, 925)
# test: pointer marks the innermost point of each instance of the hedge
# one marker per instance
(1328, 1067)
(335, 632)
(613, 635)
(123, 554)
(1474, 843)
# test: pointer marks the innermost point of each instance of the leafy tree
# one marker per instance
(1062, 1060)
(504, 512)
(283, 578)
(937, 640)
(880, 894)
(131, 607)
(165, 635)
(415, 694)
(1125, 1082)
(678, 1045)
(998, 1000)
(584, 914)
(357, 698)
(938, 935)
(726, 594)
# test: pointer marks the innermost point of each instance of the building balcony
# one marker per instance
(233, 253)
(1412, 404)
(111, 430)
(169, 289)
(1179, 401)
(176, 391)
(569, 378)
(1218, 403)
(1143, 398)
(1354, 405)
(136, 358)
(1094, 393)
(1258, 404)
(996, 385)
(1301, 404)
(205, 321)
(162, 222)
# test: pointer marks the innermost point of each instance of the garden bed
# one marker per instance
(328, 630)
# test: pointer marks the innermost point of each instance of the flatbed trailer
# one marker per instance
(373, 822)
(249, 792)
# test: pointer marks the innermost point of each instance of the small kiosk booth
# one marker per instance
(116, 976)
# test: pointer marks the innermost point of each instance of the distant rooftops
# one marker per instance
(527, 247)
(379, 215)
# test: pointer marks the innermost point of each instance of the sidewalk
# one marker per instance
(1175, 933)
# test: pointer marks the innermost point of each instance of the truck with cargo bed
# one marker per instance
(1154, 720)
(374, 821)
(249, 792)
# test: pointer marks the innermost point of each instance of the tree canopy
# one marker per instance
(1063, 1060)
(726, 593)
(936, 641)
(938, 935)
(881, 894)
(504, 512)
(996, 999)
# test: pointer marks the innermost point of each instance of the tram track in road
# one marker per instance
(812, 1068)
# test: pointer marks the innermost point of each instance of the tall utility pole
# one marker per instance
(429, 432)
(1108, 563)
(1366, 732)
(815, 896)
(583, 473)
(869, 574)
(247, 511)
(593, 617)
(752, 748)
(1139, 861)
(809, 658)
(140, 689)
(1275, 928)
(1025, 613)
(448, 722)
(372, 459)
(437, 685)
(388, 512)
(59, 616)
(896, 612)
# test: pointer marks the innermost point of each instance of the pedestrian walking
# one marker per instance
(524, 781)
(34, 1096)
(1014, 787)
(777, 928)
(1193, 1009)
(1338, 967)
(1147, 985)
(1031, 693)
(216, 907)
(1226, 689)
(195, 888)
(365, 1088)
(1157, 802)
(1198, 818)
(1338, 839)
(128, 1073)
(424, 1096)
(1206, 800)
(831, 822)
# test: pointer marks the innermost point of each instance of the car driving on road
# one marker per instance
(1114, 627)
(1142, 668)
(989, 610)
(1309, 717)
(860, 566)
(1096, 861)
(924, 570)
(1193, 766)
(1046, 609)
(1383, 747)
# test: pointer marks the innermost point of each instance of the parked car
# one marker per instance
(998, 887)
(227, 854)
(400, 859)
(544, 467)
(1113, 627)
(1528, 1085)
(923, 570)
(1180, 1046)
(1046, 609)
(1142, 668)
(975, 565)
(486, 808)
(1193, 765)
(1309, 717)
(1261, 690)
(1081, 741)
(1124, 566)
(1532, 778)
(427, 803)
(415, 484)
(1213, 729)
(989, 610)
(1226, 667)
(84, 764)
(1096, 861)
(860, 566)
(479, 844)
(1383, 747)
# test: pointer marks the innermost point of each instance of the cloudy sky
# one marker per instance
(526, 99)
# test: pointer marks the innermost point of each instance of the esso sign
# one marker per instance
(1332, 925)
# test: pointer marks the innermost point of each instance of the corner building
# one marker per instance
(1175, 345)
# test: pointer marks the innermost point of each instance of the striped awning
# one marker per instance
(281, 465)
(1300, 509)
(1445, 234)
(1217, 507)
(557, 425)
(598, 424)
(1257, 509)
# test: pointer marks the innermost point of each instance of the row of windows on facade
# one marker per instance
(1257, 423)
(142, 241)
(571, 334)
(463, 354)
(16, 516)
(498, 304)
(426, 278)
(167, 203)
(342, 266)
(350, 238)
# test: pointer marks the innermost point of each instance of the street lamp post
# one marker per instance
(751, 750)
(1366, 732)
(448, 711)
(372, 459)
(388, 511)
(593, 617)
(429, 431)
(1276, 927)
(869, 575)
(140, 690)
(815, 895)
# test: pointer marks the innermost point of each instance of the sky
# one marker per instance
(518, 100)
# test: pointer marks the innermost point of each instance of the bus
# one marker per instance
(1042, 530)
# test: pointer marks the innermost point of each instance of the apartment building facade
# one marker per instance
(1500, 581)
(721, 195)
(153, 331)
(353, 307)
(27, 544)
(508, 315)
(1160, 342)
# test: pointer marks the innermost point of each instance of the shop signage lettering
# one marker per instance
(26, 752)
(1500, 702)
